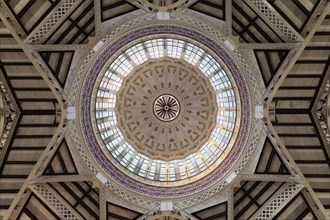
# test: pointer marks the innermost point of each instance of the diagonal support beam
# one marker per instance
(98, 18)
(309, 200)
(228, 18)
(273, 19)
(51, 20)
(7, 14)
(60, 206)
(287, 66)
(53, 144)
(46, 71)
(62, 178)
(277, 202)
(270, 95)
(268, 177)
(36, 193)
(230, 202)
(268, 46)
(21, 204)
(313, 17)
(44, 47)
(187, 215)
(103, 203)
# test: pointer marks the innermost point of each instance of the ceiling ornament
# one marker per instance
(7, 114)
(98, 157)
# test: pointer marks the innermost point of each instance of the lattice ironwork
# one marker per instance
(8, 114)
(275, 20)
(321, 111)
(54, 201)
(57, 15)
(272, 207)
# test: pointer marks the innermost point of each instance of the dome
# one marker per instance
(159, 145)
(159, 155)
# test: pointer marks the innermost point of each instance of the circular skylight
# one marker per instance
(134, 152)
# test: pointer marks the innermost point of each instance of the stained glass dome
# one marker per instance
(205, 125)
(195, 147)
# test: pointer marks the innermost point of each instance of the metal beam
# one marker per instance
(228, 17)
(278, 201)
(103, 203)
(54, 138)
(62, 178)
(54, 201)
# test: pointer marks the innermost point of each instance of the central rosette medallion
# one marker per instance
(166, 108)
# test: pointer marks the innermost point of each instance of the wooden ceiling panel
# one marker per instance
(59, 63)
(18, 157)
(270, 161)
(300, 82)
(301, 141)
(62, 162)
(213, 8)
(218, 212)
(11, 185)
(297, 12)
(114, 8)
(291, 118)
(269, 62)
(250, 26)
(30, 13)
(119, 212)
(251, 196)
(35, 208)
(314, 167)
(76, 28)
(17, 168)
(297, 208)
(81, 196)
(25, 84)
(288, 104)
(307, 69)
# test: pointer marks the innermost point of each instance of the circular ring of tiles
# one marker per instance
(128, 179)
(153, 130)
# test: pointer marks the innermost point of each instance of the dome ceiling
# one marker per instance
(197, 169)
(155, 148)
